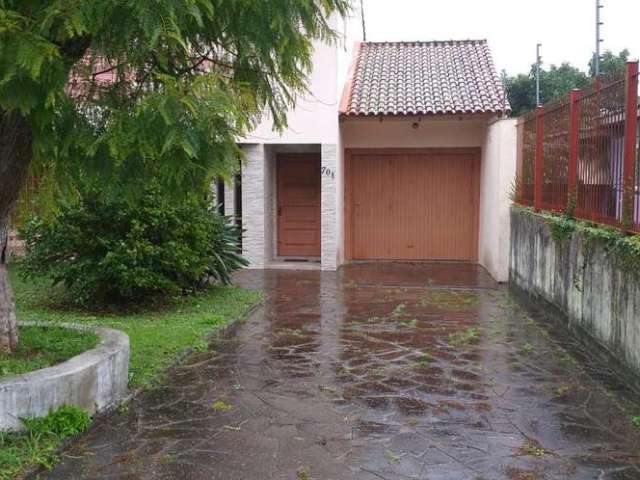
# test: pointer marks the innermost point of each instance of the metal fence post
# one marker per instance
(574, 147)
(539, 167)
(630, 136)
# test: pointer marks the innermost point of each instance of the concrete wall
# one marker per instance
(596, 298)
(498, 169)
(93, 381)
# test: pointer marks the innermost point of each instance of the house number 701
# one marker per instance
(327, 171)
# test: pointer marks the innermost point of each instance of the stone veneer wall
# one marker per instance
(583, 282)
(258, 208)
(253, 205)
(329, 206)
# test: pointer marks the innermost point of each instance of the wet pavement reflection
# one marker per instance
(381, 371)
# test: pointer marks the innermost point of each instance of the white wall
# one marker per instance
(312, 124)
(315, 117)
(498, 169)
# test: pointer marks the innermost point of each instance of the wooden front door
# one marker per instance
(412, 204)
(298, 205)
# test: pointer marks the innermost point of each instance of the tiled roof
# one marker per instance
(422, 78)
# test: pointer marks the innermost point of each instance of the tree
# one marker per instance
(554, 83)
(520, 92)
(610, 63)
(159, 87)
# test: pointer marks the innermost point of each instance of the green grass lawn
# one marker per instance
(157, 336)
(42, 347)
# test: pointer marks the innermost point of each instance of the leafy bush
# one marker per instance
(110, 251)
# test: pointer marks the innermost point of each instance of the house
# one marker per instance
(409, 157)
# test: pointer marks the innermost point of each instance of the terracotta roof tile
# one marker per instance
(422, 78)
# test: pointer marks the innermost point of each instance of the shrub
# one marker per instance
(110, 251)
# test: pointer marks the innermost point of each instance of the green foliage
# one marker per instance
(554, 83)
(562, 227)
(107, 251)
(464, 337)
(37, 445)
(180, 81)
(635, 420)
(221, 406)
(625, 249)
(610, 63)
(156, 335)
(42, 347)
(224, 249)
(64, 422)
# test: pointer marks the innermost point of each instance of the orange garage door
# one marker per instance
(412, 204)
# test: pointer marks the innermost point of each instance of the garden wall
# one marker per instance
(93, 381)
(583, 279)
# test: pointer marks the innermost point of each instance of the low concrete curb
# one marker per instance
(93, 380)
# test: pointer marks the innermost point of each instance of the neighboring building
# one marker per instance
(414, 163)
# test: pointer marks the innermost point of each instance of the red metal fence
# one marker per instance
(580, 154)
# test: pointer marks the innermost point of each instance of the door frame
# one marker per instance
(315, 157)
(348, 193)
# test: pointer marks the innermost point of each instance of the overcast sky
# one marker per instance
(566, 28)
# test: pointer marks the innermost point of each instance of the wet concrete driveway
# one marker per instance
(385, 371)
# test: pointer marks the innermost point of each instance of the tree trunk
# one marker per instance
(16, 139)
(8, 325)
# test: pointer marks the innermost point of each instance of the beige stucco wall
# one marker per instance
(498, 169)
(400, 133)
(497, 140)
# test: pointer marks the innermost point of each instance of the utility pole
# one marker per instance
(538, 62)
(599, 23)
(364, 28)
